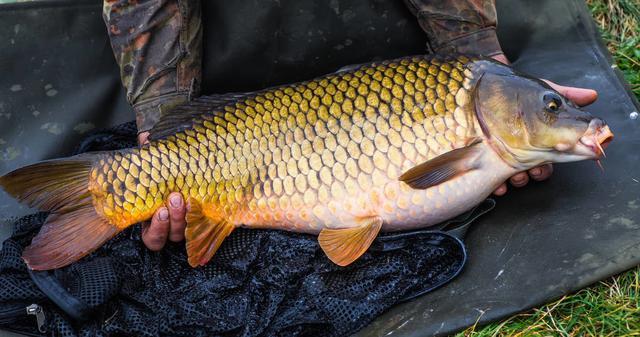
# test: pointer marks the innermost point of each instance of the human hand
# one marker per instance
(143, 138)
(581, 97)
(167, 222)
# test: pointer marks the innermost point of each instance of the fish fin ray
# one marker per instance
(185, 116)
(67, 237)
(345, 245)
(203, 234)
(51, 185)
(352, 67)
(442, 168)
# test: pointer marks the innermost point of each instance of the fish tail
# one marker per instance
(73, 229)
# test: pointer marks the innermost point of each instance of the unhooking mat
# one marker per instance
(59, 81)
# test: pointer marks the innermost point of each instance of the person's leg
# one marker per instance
(158, 46)
(458, 26)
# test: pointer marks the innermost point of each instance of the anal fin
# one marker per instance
(203, 234)
(345, 245)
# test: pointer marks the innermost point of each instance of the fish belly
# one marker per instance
(424, 208)
(400, 206)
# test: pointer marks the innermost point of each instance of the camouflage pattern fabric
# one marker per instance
(463, 26)
(158, 44)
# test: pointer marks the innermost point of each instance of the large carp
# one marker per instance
(386, 146)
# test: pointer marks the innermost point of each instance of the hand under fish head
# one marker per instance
(530, 124)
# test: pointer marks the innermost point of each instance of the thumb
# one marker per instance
(143, 138)
(580, 96)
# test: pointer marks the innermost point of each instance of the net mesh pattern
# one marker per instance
(260, 282)
(93, 282)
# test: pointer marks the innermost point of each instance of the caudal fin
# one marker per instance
(73, 229)
(50, 185)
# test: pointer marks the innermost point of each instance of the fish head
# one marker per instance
(529, 123)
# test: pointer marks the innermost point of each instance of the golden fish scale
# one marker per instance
(303, 156)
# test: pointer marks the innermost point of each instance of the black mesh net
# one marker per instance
(260, 283)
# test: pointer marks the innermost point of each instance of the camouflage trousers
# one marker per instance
(158, 44)
(158, 47)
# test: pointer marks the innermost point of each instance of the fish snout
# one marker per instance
(597, 137)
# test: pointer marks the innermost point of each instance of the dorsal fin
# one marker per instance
(352, 67)
(182, 116)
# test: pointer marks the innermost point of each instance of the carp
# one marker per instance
(385, 146)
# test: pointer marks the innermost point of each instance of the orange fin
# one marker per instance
(442, 168)
(345, 245)
(73, 229)
(50, 185)
(203, 234)
(67, 237)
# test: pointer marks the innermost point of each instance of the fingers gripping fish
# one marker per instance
(386, 146)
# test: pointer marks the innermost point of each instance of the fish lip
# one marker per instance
(591, 148)
(605, 137)
(596, 141)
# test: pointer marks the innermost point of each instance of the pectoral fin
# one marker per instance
(442, 168)
(346, 245)
(203, 234)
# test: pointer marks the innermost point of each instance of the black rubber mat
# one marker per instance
(59, 80)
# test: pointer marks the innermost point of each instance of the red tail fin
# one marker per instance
(49, 185)
(65, 238)
(73, 229)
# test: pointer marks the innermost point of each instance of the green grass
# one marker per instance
(611, 307)
(619, 22)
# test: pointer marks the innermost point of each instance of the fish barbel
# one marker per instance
(387, 146)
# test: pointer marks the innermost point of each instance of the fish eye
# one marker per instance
(552, 102)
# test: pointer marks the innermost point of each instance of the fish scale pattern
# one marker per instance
(301, 156)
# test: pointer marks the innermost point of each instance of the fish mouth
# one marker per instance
(596, 139)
